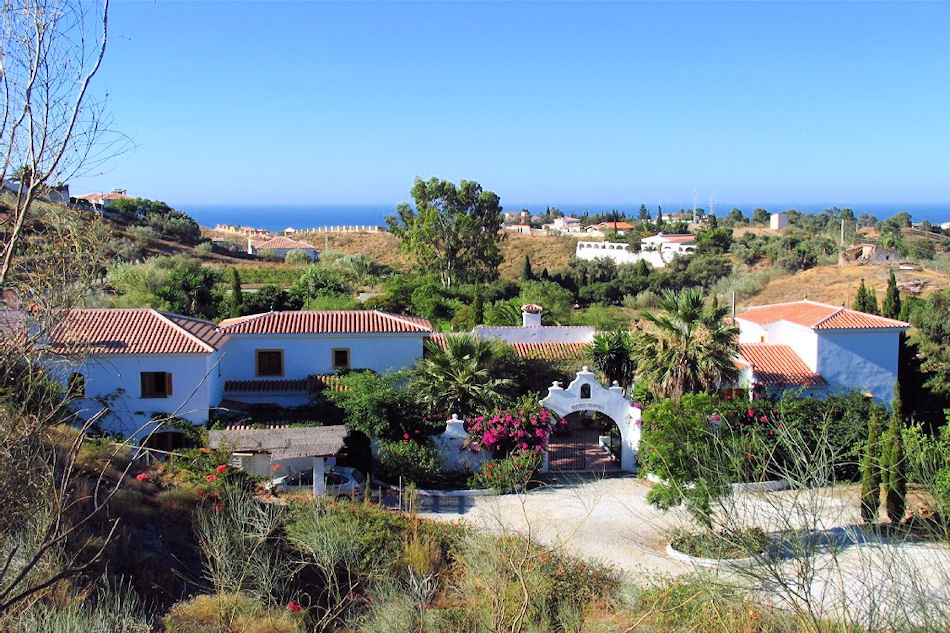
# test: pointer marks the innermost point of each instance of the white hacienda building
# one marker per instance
(819, 347)
(657, 250)
(143, 363)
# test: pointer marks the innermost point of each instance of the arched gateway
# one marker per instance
(585, 393)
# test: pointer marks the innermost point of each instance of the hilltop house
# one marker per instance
(819, 347)
(140, 364)
(656, 250)
(101, 200)
(279, 246)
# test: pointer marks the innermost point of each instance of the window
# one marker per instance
(341, 358)
(585, 391)
(270, 362)
(762, 339)
(156, 384)
(76, 386)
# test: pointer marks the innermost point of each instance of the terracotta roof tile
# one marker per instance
(818, 316)
(777, 365)
(134, 331)
(534, 351)
(281, 242)
(326, 322)
(310, 384)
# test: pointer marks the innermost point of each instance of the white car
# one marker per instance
(341, 481)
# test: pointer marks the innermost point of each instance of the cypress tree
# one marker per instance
(891, 307)
(895, 497)
(237, 299)
(865, 300)
(526, 273)
(871, 471)
(478, 307)
(659, 217)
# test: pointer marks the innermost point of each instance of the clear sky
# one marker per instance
(334, 103)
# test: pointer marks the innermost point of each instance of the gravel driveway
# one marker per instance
(610, 520)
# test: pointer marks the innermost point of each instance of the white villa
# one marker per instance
(142, 363)
(657, 250)
(819, 347)
(280, 246)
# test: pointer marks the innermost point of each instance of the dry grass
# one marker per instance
(838, 285)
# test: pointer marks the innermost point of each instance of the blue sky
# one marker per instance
(345, 103)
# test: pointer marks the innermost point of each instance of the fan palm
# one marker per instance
(612, 354)
(686, 347)
(462, 378)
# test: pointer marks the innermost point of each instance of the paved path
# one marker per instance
(609, 520)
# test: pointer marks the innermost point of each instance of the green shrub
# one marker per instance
(504, 475)
(414, 462)
(231, 612)
(206, 247)
(297, 257)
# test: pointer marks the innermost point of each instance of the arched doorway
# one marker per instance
(586, 394)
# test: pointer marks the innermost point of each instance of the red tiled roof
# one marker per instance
(281, 242)
(310, 384)
(325, 322)
(777, 365)
(818, 316)
(615, 225)
(550, 351)
(134, 331)
(534, 351)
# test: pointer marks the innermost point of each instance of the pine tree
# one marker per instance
(236, 299)
(526, 273)
(644, 213)
(895, 497)
(871, 471)
(891, 307)
(865, 300)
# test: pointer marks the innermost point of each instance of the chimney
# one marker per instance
(531, 315)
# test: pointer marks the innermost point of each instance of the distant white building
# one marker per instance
(778, 220)
(657, 250)
(820, 347)
(566, 224)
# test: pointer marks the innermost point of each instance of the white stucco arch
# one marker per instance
(609, 401)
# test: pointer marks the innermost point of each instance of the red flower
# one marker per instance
(405, 436)
(221, 468)
(751, 412)
(293, 606)
(750, 456)
(764, 419)
(218, 507)
(275, 467)
(211, 477)
(201, 494)
(141, 476)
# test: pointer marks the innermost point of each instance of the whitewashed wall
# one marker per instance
(802, 339)
(114, 381)
(313, 354)
(860, 360)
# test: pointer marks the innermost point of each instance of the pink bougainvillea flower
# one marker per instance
(293, 605)
(637, 405)
(221, 468)
(405, 436)
(141, 476)
(211, 477)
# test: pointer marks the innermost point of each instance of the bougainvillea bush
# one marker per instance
(526, 428)
(511, 473)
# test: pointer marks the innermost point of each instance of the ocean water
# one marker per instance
(279, 217)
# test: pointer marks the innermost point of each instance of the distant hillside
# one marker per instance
(838, 285)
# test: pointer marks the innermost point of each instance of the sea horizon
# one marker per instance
(277, 217)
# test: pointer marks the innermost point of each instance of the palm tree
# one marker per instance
(462, 378)
(686, 347)
(611, 354)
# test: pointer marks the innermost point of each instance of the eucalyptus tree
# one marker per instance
(453, 231)
(686, 347)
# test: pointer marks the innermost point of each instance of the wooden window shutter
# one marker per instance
(168, 383)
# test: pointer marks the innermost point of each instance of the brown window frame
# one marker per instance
(257, 363)
(333, 358)
(149, 385)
